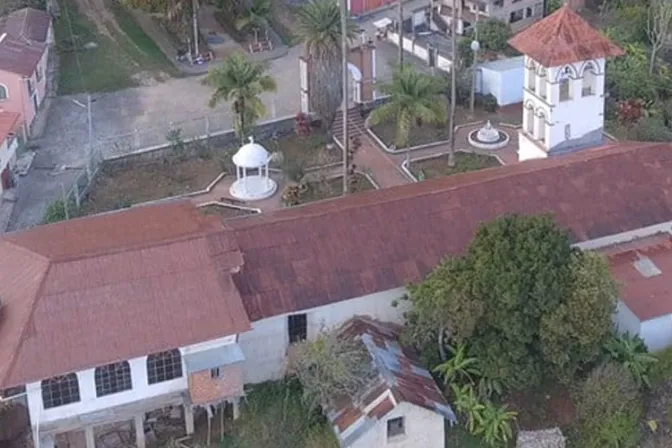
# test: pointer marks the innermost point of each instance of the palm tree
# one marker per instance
(319, 27)
(241, 82)
(255, 17)
(413, 101)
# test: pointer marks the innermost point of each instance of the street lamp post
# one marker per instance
(475, 47)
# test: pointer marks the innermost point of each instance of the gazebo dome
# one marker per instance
(251, 155)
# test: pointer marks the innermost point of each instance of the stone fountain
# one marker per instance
(488, 137)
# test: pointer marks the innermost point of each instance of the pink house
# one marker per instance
(25, 36)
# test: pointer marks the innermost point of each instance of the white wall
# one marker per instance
(625, 320)
(657, 333)
(528, 150)
(511, 86)
(424, 428)
(141, 390)
(266, 345)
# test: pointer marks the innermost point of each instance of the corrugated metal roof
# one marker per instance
(214, 357)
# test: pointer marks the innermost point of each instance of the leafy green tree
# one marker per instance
(413, 100)
(627, 76)
(255, 17)
(572, 335)
(329, 367)
(241, 82)
(631, 352)
(552, 6)
(608, 405)
(493, 35)
(495, 424)
(319, 27)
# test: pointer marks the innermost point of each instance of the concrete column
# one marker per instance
(138, 372)
(236, 408)
(89, 437)
(189, 419)
(139, 423)
(87, 385)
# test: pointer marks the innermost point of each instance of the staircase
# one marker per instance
(355, 125)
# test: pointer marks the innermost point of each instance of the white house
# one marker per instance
(563, 94)
(400, 406)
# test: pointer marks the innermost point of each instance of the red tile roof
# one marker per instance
(292, 259)
(313, 255)
(562, 38)
(111, 287)
(646, 297)
(27, 24)
(399, 377)
(8, 124)
(19, 57)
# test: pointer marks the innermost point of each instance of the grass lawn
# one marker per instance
(464, 162)
(97, 60)
(333, 187)
(274, 416)
(304, 152)
(134, 183)
(224, 211)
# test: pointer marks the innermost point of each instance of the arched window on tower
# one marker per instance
(164, 366)
(113, 378)
(60, 390)
(531, 75)
(589, 81)
(565, 84)
(541, 127)
(542, 82)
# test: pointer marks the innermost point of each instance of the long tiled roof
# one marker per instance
(94, 290)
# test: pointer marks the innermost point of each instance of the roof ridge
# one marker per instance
(596, 153)
(24, 327)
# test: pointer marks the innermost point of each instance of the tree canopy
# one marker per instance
(526, 301)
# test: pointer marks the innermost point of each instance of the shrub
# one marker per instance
(57, 212)
(489, 102)
(608, 407)
(330, 367)
(662, 370)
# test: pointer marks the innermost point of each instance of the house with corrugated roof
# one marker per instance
(25, 39)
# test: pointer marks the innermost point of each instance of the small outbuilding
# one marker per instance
(252, 173)
(503, 79)
(401, 406)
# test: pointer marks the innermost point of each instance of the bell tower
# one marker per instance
(563, 91)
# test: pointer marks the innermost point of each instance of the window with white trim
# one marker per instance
(113, 378)
(60, 390)
(164, 366)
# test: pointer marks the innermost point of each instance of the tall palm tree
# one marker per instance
(241, 82)
(413, 100)
(255, 17)
(319, 27)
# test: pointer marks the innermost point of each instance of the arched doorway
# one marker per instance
(354, 85)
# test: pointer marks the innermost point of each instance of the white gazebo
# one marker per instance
(256, 185)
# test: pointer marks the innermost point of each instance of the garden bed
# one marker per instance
(121, 185)
(317, 190)
(303, 152)
(464, 162)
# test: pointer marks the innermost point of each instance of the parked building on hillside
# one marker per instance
(25, 39)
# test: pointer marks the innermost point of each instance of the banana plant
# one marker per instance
(631, 351)
(467, 403)
(460, 368)
(494, 425)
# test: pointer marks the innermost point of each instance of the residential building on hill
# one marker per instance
(519, 14)
(108, 317)
(25, 38)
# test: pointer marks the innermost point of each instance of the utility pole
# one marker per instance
(400, 11)
(344, 63)
(475, 46)
(89, 161)
(194, 7)
(453, 84)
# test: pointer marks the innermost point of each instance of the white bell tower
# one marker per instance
(563, 97)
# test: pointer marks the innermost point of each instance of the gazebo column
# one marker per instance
(267, 174)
